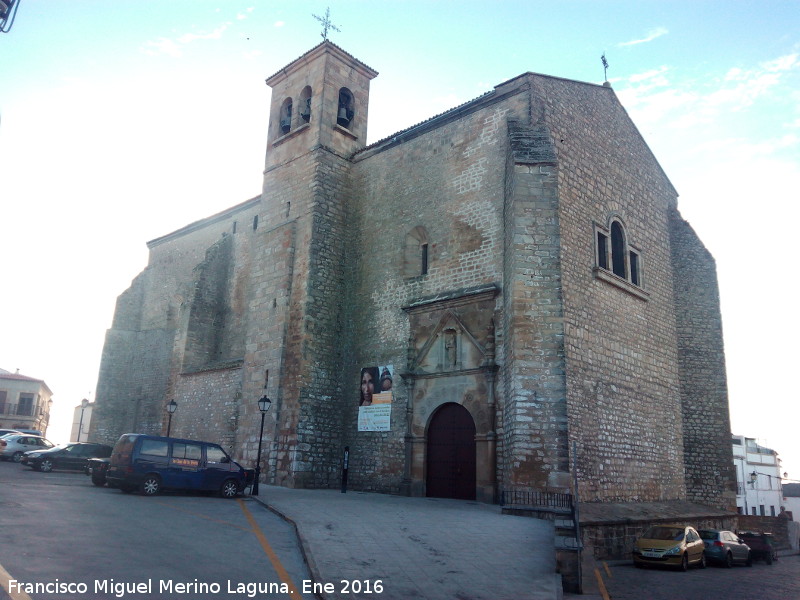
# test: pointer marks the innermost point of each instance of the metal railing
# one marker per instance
(536, 499)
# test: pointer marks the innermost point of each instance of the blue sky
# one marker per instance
(122, 121)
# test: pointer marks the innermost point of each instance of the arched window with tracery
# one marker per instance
(614, 253)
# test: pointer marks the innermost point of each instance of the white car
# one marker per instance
(14, 445)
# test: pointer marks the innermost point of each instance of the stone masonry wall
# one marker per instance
(535, 420)
(710, 475)
(319, 431)
(133, 378)
(621, 348)
(450, 180)
(299, 289)
(209, 407)
(143, 352)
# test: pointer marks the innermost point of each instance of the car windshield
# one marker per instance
(664, 533)
(707, 535)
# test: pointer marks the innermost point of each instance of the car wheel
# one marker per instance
(17, 456)
(768, 558)
(46, 466)
(685, 562)
(702, 563)
(98, 481)
(749, 562)
(728, 560)
(151, 485)
(229, 489)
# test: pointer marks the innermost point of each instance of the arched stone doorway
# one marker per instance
(451, 454)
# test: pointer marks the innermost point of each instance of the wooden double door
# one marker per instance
(451, 454)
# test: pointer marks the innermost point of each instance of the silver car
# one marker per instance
(14, 445)
(725, 547)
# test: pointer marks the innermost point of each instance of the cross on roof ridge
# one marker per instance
(326, 23)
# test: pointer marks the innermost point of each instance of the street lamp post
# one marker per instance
(263, 405)
(171, 408)
(84, 404)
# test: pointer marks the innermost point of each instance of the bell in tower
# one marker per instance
(330, 89)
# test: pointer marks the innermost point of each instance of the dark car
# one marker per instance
(725, 548)
(96, 468)
(152, 463)
(762, 545)
(71, 456)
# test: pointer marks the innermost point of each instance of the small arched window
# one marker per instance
(346, 112)
(286, 116)
(416, 253)
(305, 104)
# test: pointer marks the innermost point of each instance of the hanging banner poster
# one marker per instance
(375, 404)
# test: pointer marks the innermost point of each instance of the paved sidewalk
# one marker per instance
(426, 548)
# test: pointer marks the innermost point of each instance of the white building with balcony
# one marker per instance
(25, 402)
(758, 478)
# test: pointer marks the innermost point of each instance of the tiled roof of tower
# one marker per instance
(315, 48)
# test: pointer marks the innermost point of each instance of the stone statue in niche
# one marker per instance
(450, 349)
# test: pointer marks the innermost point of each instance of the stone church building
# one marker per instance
(500, 297)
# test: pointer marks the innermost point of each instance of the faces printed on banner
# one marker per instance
(376, 385)
(386, 380)
(369, 376)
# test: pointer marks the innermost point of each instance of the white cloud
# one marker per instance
(653, 74)
(216, 34)
(162, 46)
(245, 14)
(657, 94)
(174, 47)
(279, 23)
(651, 35)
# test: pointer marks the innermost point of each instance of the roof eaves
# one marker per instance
(315, 49)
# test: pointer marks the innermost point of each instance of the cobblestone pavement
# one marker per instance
(779, 581)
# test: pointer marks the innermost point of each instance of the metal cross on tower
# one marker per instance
(326, 23)
(605, 66)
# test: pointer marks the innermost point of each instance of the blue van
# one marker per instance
(150, 463)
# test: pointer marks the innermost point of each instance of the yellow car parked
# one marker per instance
(670, 545)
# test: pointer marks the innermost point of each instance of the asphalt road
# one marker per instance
(88, 542)
(779, 581)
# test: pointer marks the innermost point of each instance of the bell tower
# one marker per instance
(320, 99)
(318, 119)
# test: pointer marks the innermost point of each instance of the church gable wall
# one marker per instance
(620, 344)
